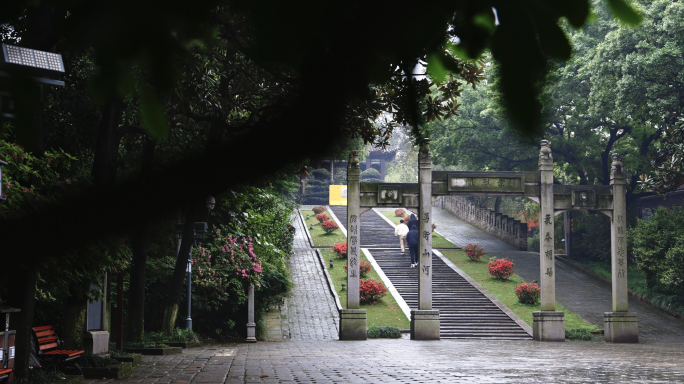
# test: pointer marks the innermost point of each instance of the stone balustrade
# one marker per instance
(501, 226)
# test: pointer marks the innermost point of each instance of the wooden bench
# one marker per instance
(5, 373)
(48, 345)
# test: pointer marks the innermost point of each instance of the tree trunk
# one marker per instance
(173, 299)
(135, 319)
(75, 312)
(21, 294)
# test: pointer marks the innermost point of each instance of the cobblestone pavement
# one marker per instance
(582, 294)
(461, 233)
(407, 361)
(311, 309)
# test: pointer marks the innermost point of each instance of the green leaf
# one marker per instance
(484, 20)
(624, 12)
(153, 115)
(436, 68)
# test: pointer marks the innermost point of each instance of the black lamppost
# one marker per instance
(200, 229)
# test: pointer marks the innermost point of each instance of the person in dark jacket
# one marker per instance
(412, 240)
(413, 221)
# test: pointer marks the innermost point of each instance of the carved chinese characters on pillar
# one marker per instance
(549, 271)
(426, 269)
(621, 249)
(549, 253)
(548, 220)
(353, 245)
(547, 237)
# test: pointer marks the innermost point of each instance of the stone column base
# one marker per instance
(620, 327)
(425, 324)
(353, 325)
(548, 326)
(96, 342)
(251, 333)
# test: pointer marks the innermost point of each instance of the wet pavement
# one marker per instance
(577, 291)
(311, 356)
(407, 361)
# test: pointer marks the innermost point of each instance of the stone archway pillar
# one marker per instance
(425, 320)
(353, 320)
(548, 325)
(620, 326)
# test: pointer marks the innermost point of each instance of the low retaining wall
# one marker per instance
(505, 228)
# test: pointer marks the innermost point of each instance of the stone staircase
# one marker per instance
(465, 312)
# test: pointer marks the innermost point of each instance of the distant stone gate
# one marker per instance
(549, 325)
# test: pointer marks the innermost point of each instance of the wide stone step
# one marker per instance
(465, 313)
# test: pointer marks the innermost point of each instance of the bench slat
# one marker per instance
(41, 328)
(67, 353)
(47, 339)
(48, 346)
(45, 333)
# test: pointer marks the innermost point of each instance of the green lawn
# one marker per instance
(505, 290)
(318, 235)
(385, 312)
(438, 241)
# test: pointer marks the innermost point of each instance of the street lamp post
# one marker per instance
(200, 229)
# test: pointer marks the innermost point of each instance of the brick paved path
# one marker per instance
(407, 361)
(583, 294)
(311, 310)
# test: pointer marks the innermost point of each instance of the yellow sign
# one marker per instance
(338, 195)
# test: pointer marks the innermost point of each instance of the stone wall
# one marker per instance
(505, 228)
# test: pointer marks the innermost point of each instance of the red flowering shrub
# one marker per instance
(406, 219)
(321, 217)
(500, 269)
(318, 210)
(340, 250)
(399, 212)
(474, 252)
(329, 226)
(528, 293)
(371, 291)
(364, 268)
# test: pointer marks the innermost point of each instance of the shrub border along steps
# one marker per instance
(602, 279)
(388, 284)
(485, 292)
(527, 328)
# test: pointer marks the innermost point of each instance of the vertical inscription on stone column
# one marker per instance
(353, 253)
(621, 249)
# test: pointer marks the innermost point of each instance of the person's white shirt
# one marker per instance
(401, 230)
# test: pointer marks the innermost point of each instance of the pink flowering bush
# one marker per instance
(474, 251)
(364, 268)
(329, 226)
(225, 263)
(318, 209)
(500, 269)
(399, 212)
(340, 250)
(528, 293)
(370, 291)
(321, 217)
